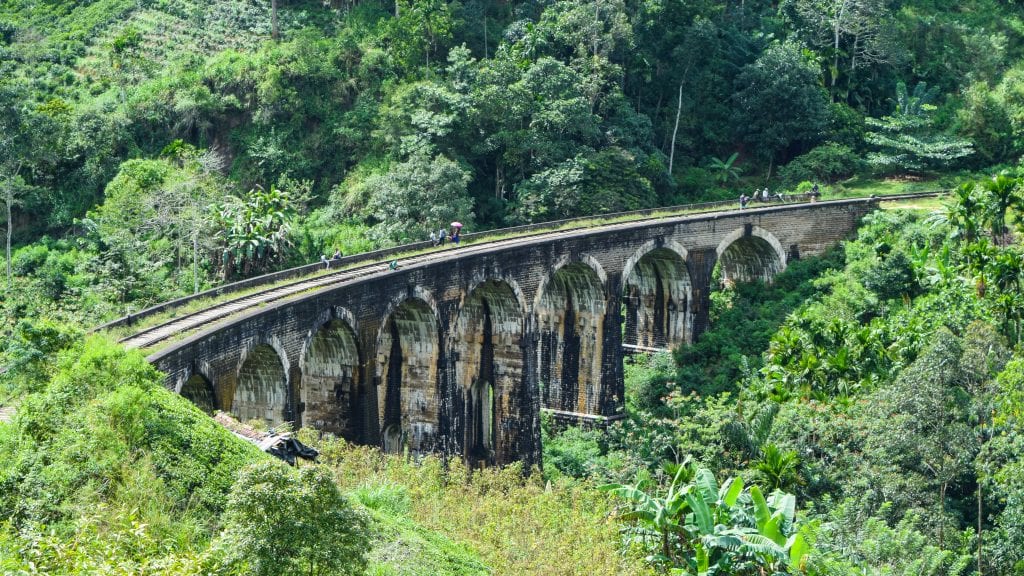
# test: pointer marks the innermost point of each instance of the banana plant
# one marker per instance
(726, 170)
(698, 528)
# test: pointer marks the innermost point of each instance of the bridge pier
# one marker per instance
(701, 265)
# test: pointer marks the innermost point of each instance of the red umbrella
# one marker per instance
(456, 224)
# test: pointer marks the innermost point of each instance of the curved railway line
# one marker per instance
(159, 333)
(156, 334)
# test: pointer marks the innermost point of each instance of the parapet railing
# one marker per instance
(386, 253)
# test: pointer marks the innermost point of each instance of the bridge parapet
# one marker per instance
(387, 253)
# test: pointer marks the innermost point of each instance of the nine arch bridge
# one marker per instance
(461, 351)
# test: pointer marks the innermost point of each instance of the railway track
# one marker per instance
(156, 334)
(164, 331)
(161, 332)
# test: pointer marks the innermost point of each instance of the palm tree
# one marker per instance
(978, 255)
(964, 214)
(1000, 195)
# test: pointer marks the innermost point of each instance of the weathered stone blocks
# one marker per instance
(462, 354)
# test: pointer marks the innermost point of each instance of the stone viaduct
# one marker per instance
(462, 354)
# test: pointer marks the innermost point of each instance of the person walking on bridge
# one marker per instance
(456, 232)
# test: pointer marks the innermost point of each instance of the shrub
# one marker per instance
(826, 163)
(25, 260)
(892, 276)
(573, 452)
(102, 414)
(282, 522)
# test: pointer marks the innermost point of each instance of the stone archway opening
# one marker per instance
(570, 320)
(749, 258)
(199, 390)
(394, 439)
(262, 391)
(489, 371)
(657, 300)
(481, 423)
(407, 371)
(330, 380)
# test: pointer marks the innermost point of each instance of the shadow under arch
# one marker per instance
(750, 254)
(199, 390)
(262, 386)
(658, 296)
(488, 347)
(408, 347)
(569, 312)
(330, 362)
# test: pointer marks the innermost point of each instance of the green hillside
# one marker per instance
(106, 472)
(870, 400)
(376, 122)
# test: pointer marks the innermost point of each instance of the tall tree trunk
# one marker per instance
(10, 229)
(679, 111)
(853, 66)
(980, 571)
(275, 31)
(942, 510)
(837, 25)
(195, 262)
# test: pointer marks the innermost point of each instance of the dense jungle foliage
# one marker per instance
(884, 397)
(152, 148)
(862, 414)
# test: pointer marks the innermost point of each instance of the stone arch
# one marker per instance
(330, 361)
(200, 391)
(490, 371)
(658, 296)
(749, 254)
(408, 347)
(262, 389)
(569, 312)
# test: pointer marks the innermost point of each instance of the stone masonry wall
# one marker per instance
(325, 359)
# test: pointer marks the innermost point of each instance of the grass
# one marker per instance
(402, 547)
(917, 204)
(493, 521)
(857, 186)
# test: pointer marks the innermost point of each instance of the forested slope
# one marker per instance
(879, 385)
(366, 123)
(870, 400)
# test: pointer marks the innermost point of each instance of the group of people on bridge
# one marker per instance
(766, 196)
(441, 236)
(760, 196)
(438, 239)
(336, 257)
